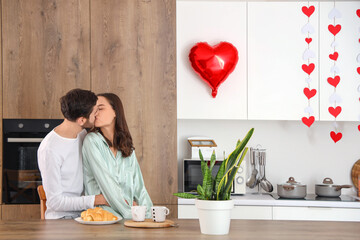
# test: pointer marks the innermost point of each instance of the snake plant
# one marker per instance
(219, 188)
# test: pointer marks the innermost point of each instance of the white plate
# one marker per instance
(79, 220)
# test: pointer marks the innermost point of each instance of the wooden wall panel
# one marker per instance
(46, 52)
(133, 55)
(20, 212)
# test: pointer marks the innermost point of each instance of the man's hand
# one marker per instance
(100, 200)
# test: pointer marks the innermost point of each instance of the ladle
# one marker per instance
(251, 182)
(264, 183)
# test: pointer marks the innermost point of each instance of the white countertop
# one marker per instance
(268, 200)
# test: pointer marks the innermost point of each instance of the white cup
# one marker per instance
(138, 213)
(159, 213)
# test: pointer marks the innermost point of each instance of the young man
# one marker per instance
(60, 158)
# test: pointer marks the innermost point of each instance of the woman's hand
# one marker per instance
(100, 200)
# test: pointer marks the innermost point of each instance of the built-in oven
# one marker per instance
(192, 176)
(21, 175)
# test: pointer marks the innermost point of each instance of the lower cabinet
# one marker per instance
(316, 213)
(20, 211)
(281, 213)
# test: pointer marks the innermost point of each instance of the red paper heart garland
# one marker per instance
(308, 11)
(334, 29)
(213, 64)
(333, 81)
(334, 56)
(308, 40)
(335, 136)
(335, 111)
(308, 121)
(309, 93)
(308, 68)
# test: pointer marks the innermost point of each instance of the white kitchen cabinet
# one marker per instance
(348, 49)
(239, 212)
(316, 213)
(212, 22)
(275, 50)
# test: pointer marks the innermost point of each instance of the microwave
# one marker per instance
(192, 176)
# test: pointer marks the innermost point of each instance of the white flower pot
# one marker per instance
(214, 216)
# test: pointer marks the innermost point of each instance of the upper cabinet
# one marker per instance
(275, 58)
(212, 22)
(46, 52)
(348, 49)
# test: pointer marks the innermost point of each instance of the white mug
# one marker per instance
(159, 213)
(138, 213)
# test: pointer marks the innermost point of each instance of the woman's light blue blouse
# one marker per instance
(117, 178)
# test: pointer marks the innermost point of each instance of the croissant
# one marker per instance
(97, 214)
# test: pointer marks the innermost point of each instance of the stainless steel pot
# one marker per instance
(291, 189)
(329, 189)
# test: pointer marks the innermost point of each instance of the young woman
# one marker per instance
(110, 164)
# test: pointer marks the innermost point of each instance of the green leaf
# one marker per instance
(203, 164)
(185, 195)
(212, 161)
(207, 184)
(200, 190)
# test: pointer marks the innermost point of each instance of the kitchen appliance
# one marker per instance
(21, 175)
(329, 189)
(291, 189)
(192, 176)
(206, 145)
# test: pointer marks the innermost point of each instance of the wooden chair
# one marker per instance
(42, 197)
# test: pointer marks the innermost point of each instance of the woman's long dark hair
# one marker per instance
(122, 138)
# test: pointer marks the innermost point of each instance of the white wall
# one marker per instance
(293, 149)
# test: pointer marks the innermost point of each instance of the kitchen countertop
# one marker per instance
(268, 200)
(188, 229)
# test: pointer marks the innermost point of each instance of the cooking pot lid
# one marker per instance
(292, 182)
(327, 182)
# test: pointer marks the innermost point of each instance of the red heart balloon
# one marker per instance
(213, 64)
(335, 111)
(308, 68)
(308, 121)
(335, 136)
(334, 56)
(308, 11)
(334, 81)
(309, 93)
(334, 29)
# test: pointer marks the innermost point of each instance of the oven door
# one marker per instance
(192, 174)
(21, 175)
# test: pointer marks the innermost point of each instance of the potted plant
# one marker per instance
(213, 196)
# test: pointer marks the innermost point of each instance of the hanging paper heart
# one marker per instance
(309, 93)
(358, 70)
(334, 29)
(335, 136)
(335, 124)
(334, 56)
(308, 11)
(335, 111)
(308, 53)
(307, 28)
(308, 121)
(308, 40)
(358, 89)
(309, 110)
(335, 98)
(334, 44)
(334, 13)
(308, 80)
(213, 64)
(358, 58)
(308, 68)
(358, 12)
(359, 127)
(335, 69)
(334, 81)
